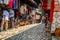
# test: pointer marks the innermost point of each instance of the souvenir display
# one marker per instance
(55, 28)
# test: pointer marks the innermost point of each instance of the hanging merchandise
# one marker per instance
(55, 18)
(56, 6)
(49, 4)
(1, 1)
(11, 3)
(17, 3)
(14, 5)
(51, 10)
(22, 9)
(44, 6)
(55, 27)
(6, 1)
(51, 15)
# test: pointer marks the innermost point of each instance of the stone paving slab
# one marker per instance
(11, 32)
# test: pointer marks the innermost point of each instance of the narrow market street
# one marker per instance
(29, 19)
(34, 33)
(29, 32)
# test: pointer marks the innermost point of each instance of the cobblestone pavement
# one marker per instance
(35, 33)
(55, 38)
(14, 31)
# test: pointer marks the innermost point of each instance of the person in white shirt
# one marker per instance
(5, 18)
(11, 12)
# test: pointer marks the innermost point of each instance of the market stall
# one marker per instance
(55, 17)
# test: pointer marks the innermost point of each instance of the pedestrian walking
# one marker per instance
(5, 18)
(11, 17)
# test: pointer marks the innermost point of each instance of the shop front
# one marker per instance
(55, 17)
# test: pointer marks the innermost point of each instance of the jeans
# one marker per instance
(12, 22)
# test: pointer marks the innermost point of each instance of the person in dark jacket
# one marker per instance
(1, 15)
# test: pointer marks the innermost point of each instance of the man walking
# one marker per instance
(11, 17)
(5, 18)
